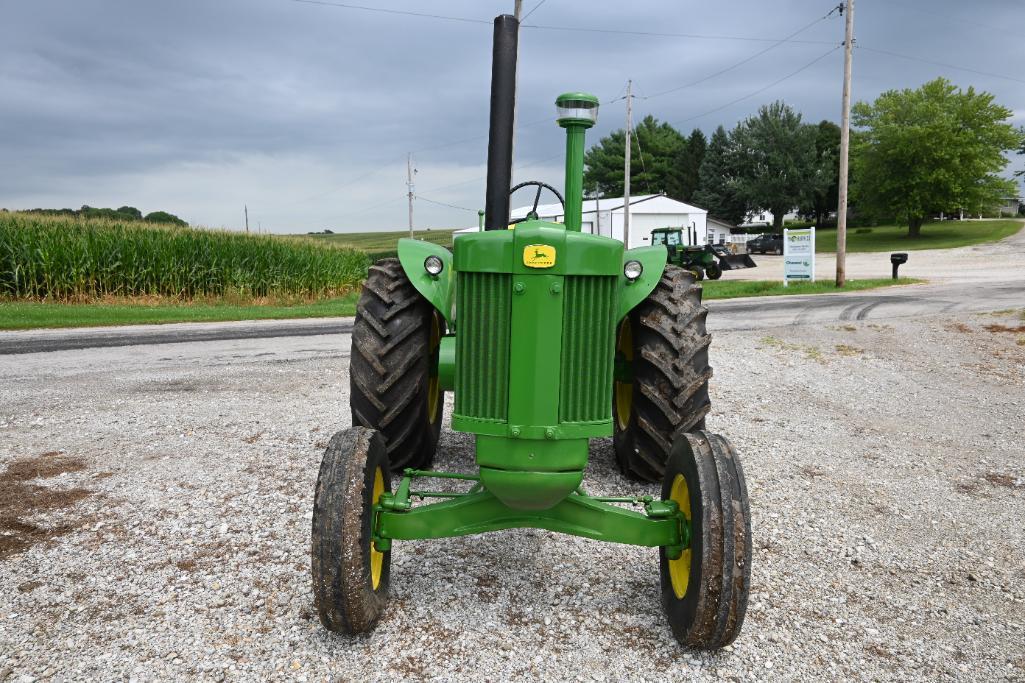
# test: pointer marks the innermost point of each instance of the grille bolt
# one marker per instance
(514, 432)
(549, 433)
(519, 288)
(555, 288)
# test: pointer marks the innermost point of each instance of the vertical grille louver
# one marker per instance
(483, 310)
(588, 337)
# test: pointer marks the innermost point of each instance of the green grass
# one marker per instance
(68, 258)
(27, 315)
(734, 289)
(939, 235)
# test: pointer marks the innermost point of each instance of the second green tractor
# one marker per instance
(548, 338)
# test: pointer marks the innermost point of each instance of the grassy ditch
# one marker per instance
(28, 315)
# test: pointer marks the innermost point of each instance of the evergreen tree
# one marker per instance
(718, 179)
(824, 196)
(653, 167)
(688, 163)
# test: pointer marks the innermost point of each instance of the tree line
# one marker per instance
(914, 153)
(124, 213)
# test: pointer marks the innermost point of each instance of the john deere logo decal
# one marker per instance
(538, 256)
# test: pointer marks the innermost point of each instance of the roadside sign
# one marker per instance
(798, 255)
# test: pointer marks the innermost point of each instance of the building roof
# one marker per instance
(720, 223)
(654, 204)
(641, 204)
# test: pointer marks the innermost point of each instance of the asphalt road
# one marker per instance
(729, 314)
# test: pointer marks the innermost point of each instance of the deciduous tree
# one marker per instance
(937, 148)
(776, 161)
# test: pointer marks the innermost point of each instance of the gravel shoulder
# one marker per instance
(155, 507)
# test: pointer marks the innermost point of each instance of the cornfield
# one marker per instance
(61, 258)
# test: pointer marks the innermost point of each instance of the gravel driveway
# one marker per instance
(155, 509)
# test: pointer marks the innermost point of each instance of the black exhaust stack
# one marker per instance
(500, 135)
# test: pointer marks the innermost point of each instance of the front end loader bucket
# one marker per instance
(736, 261)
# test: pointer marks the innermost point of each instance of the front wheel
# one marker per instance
(705, 589)
(714, 271)
(662, 347)
(350, 575)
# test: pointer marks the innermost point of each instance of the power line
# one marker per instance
(393, 200)
(544, 27)
(532, 11)
(743, 61)
(451, 206)
(943, 64)
(659, 34)
(763, 89)
(383, 10)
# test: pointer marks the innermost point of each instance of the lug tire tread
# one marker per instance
(390, 366)
(671, 374)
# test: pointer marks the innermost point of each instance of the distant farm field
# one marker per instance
(379, 244)
(56, 258)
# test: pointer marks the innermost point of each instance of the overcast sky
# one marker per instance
(305, 112)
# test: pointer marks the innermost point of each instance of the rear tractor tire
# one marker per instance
(705, 590)
(393, 366)
(665, 343)
(350, 576)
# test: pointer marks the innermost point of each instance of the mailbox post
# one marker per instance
(898, 260)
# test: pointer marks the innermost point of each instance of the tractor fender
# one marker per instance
(653, 259)
(438, 289)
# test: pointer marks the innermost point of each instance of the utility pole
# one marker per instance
(409, 189)
(626, 169)
(518, 9)
(845, 142)
(247, 217)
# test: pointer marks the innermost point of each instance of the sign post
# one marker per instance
(798, 255)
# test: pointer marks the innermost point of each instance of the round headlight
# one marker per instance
(632, 270)
(434, 265)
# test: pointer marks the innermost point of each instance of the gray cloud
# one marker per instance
(305, 112)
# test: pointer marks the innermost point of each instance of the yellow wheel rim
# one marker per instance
(624, 391)
(679, 569)
(376, 558)
(433, 385)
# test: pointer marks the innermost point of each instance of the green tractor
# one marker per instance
(700, 260)
(549, 337)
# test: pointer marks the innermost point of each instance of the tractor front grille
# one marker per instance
(588, 348)
(483, 309)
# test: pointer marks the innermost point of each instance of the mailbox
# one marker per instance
(898, 260)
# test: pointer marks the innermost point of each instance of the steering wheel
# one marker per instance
(532, 214)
